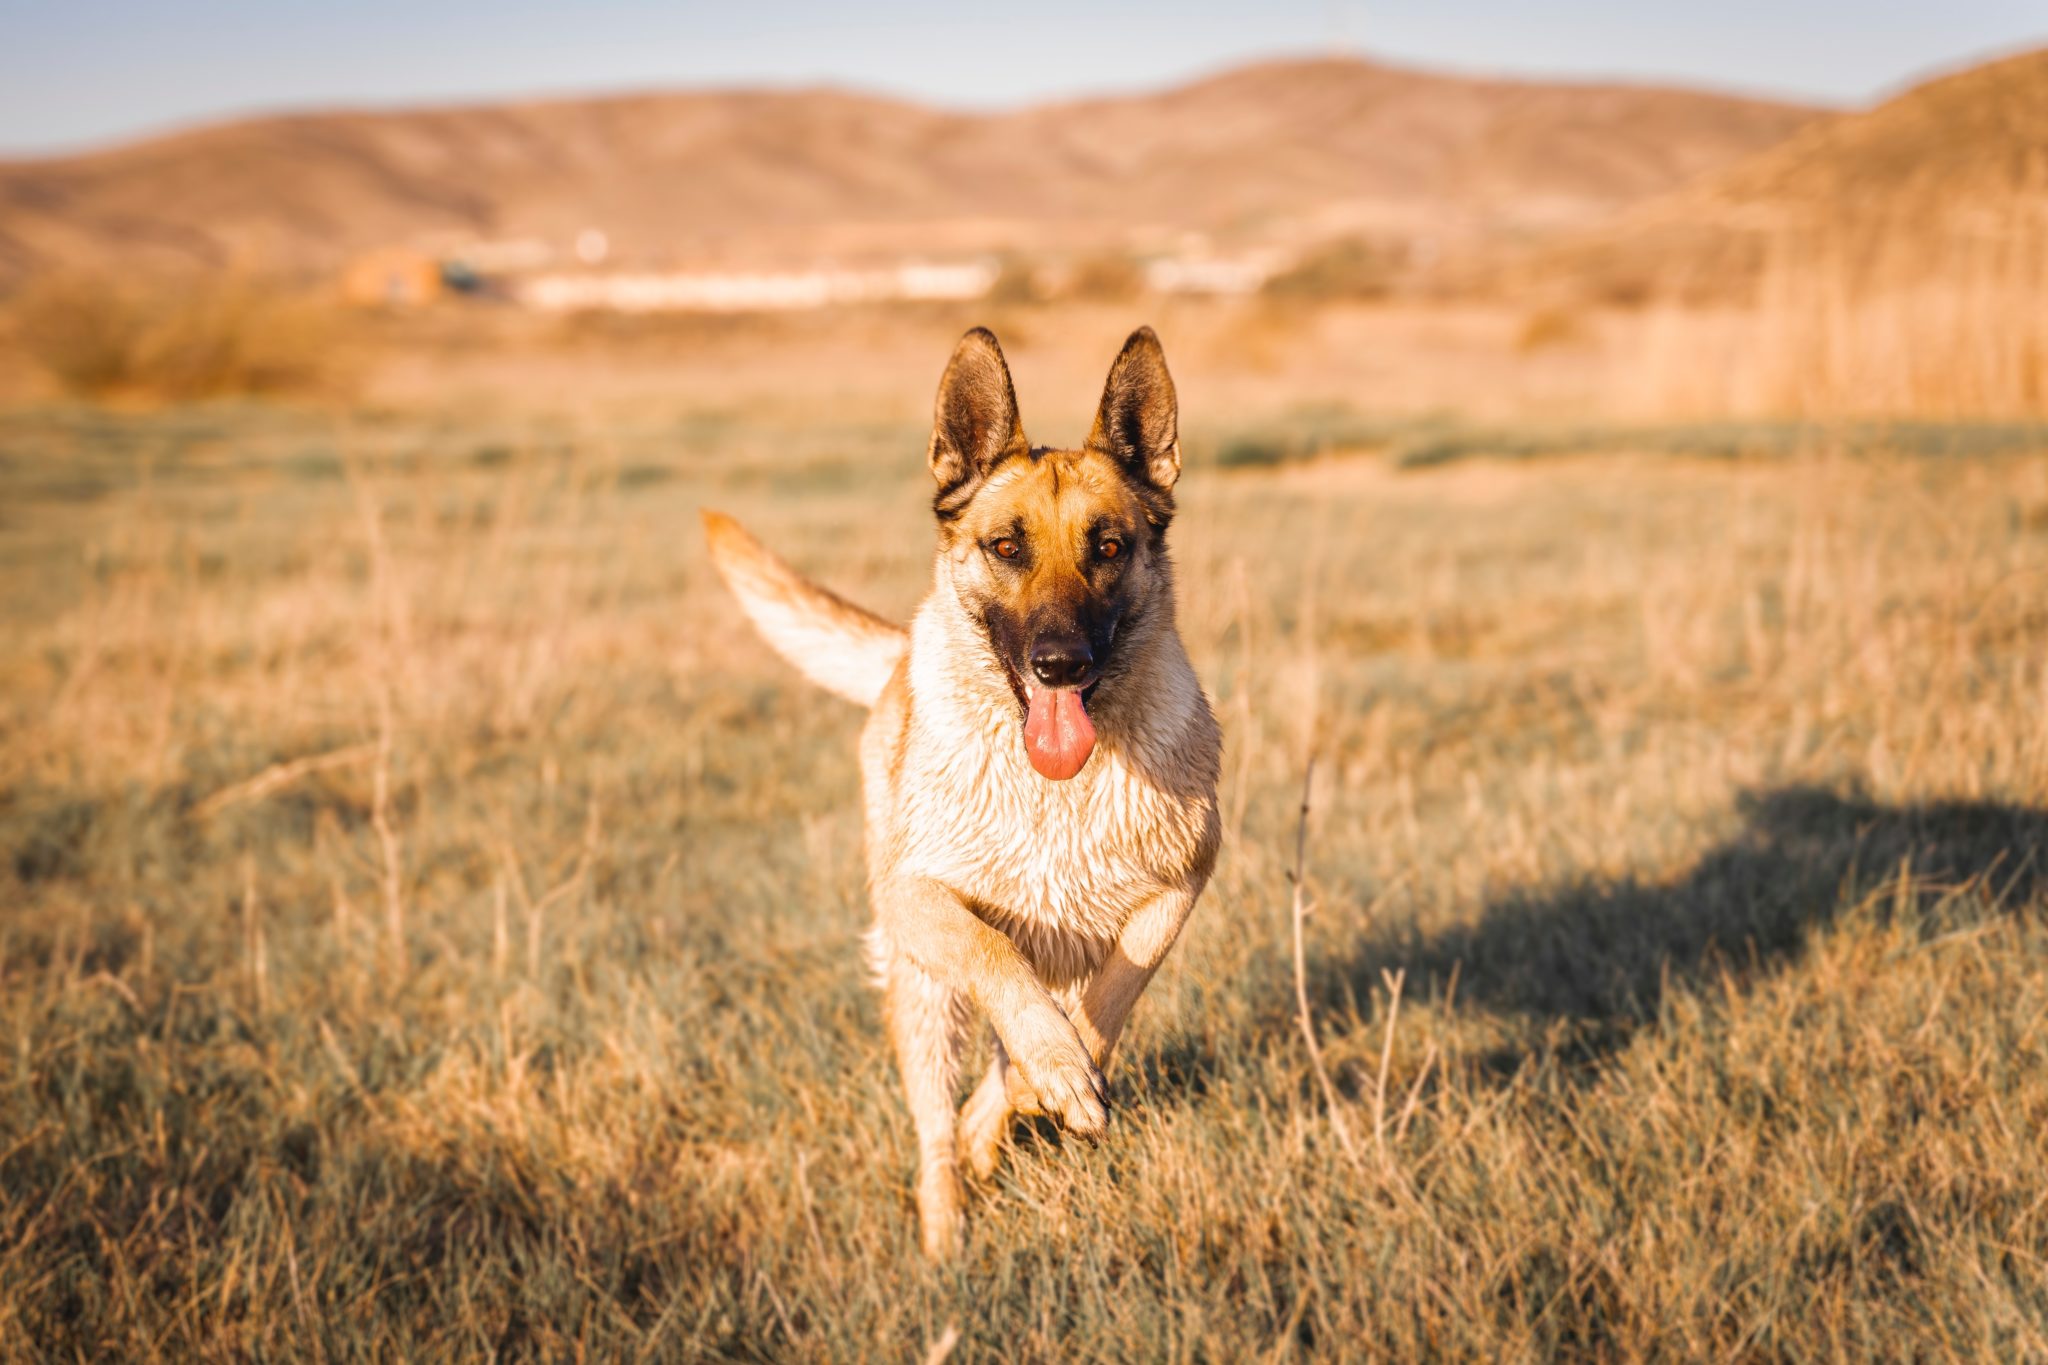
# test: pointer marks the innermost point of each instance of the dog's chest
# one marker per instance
(1051, 859)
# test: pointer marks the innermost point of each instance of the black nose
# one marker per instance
(1062, 660)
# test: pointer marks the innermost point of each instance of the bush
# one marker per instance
(191, 339)
(1112, 278)
(1550, 329)
(1016, 284)
(1351, 268)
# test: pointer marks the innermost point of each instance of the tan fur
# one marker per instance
(1046, 905)
(843, 649)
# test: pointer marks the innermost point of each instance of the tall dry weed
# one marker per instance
(1865, 320)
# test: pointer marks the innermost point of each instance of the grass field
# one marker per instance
(429, 921)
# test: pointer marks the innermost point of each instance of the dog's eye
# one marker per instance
(1110, 547)
(1006, 548)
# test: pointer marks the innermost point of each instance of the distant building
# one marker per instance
(393, 277)
(685, 291)
(1191, 273)
(406, 277)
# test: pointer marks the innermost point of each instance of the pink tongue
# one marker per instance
(1058, 736)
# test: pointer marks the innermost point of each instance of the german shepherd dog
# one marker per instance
(1039, 766)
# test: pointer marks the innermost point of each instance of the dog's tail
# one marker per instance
(838, 646)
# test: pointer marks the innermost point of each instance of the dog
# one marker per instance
(1039, 764)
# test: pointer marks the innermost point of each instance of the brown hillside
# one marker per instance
(1952, 168)
(1277, 150)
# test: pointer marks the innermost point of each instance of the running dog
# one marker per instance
(1039, 763)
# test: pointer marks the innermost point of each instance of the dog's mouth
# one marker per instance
(1058, 733)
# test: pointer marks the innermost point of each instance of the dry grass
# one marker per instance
(430, 922)
(1863, 321)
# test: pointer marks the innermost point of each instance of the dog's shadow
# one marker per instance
(1591, 961)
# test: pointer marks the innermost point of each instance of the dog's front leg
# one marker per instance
(1146, 939)
(929, 924)
(1099, 1018)
(925, 1022)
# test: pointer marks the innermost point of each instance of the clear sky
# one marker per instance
(76, 73)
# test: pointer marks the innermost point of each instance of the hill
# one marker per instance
(1953, 169)
(1272, 151)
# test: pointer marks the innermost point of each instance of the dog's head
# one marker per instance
(1059, 556)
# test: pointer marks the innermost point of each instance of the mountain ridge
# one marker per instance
(1275, 150)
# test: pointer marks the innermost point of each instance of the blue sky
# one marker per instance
(76, 73)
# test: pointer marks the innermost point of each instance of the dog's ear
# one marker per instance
(975, 426)
(1138, 424)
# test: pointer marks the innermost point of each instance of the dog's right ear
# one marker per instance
(975, 425)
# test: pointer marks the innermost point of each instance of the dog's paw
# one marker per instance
(1059, 1079)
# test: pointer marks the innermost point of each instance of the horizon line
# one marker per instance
(453, 102)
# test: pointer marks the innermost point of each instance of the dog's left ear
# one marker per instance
(1138, 424)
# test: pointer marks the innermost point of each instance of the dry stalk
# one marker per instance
(1393, 981)
(942, 1349)
(342, 1065)
(1410, 1105)
(803, 1186)
(1301, 911)
(501, 938)
(1247, 722)
(252, 935)
(344, 909)
(536, 910)
(775, 1300)
(279, 775)
(387, 838)
(392, 630)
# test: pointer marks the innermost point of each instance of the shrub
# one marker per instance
(1350, 268)
(196, 338)
(1015, 284)
(1552, 328)
(1109, 278)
